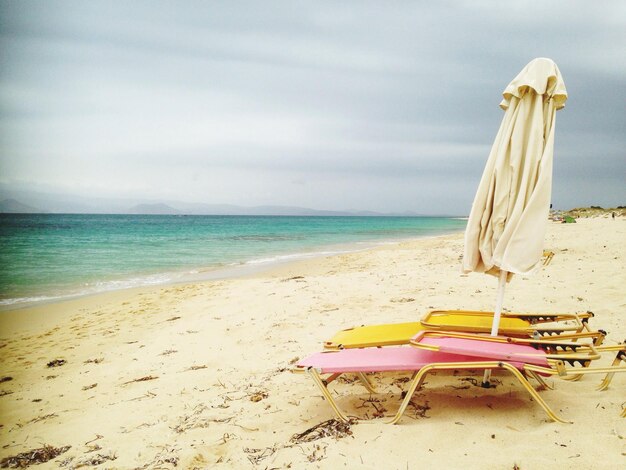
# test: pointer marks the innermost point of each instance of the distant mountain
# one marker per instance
(215, 209)
(153, 209)
(227, 209)
(13, 206)
(59, 203)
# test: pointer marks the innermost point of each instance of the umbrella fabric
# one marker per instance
(509, 216)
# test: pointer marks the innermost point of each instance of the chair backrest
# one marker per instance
(481, 347)
(474, 322)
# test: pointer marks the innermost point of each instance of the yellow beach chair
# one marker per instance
(511, 324)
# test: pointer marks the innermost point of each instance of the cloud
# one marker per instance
(278, 104)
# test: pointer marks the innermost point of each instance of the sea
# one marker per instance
(50, 257)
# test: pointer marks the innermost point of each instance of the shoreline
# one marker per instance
(49, 313)
(209, 273)
(197, 375)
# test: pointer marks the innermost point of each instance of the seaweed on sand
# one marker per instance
(331, 428)
(33, 457)
(141, 379)
(56, 362)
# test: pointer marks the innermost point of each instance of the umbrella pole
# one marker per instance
(499, 302)
(496, 317)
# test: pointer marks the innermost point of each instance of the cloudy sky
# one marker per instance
(385, 106)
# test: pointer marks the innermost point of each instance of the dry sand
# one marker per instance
(198, 375)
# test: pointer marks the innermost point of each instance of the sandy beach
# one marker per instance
(198, 375)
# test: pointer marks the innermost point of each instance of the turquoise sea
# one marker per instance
(44, 257)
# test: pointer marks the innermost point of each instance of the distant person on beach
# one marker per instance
(613, 215)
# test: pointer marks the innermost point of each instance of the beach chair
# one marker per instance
(562, 348)
(511, 324)
(434, 351)
(547, 257)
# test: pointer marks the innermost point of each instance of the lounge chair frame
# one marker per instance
(418, 379)
(577, 356)
(395, 334)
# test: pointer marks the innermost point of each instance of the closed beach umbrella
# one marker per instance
(509, 216)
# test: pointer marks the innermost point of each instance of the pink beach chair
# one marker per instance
(435, 351)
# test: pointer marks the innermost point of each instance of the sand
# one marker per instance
(197, 376)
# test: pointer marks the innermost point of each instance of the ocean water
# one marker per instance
(44, 257)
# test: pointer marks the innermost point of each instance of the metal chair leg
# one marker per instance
(331, 401)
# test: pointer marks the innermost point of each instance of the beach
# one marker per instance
(198, 375)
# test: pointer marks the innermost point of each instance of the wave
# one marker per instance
(96, 288)
(293, 257)
(36, 299)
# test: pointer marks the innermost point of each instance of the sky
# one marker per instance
(351, 105)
